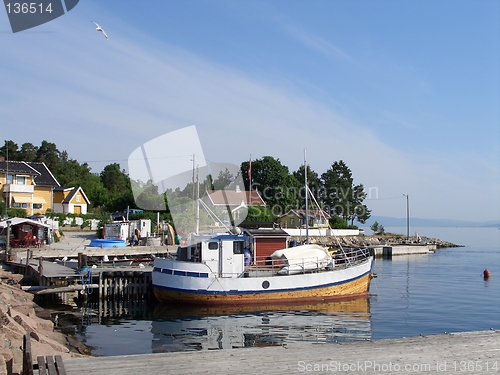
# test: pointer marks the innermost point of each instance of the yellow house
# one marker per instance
(70, 201)
(27, 185)
(297, 219)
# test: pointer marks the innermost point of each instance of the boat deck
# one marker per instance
(466, 353)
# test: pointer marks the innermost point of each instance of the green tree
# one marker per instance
(49, 154)
(115, 180)
(341, 197)
(28, 152)
(337, 189)
(259, 214)
(223, 180)
(377, 228)
(273, 180)
(313, 182)
(9, 151)
(361, 212)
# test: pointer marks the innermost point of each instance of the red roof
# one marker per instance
(317, 214)
(235, 197)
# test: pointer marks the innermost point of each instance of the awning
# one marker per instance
(19, 220)
(21, 199)
(39, 200)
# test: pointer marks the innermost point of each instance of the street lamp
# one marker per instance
(407, 216)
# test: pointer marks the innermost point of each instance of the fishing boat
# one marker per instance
(216, 271)
(213, 272)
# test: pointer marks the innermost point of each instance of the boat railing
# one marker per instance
(267, 266)
(351, 256)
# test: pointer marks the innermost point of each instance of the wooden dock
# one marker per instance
(110, 283)
(466, 353)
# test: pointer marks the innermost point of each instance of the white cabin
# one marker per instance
(223, 254)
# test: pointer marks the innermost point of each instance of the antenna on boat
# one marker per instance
(197, 216)
(306, 195)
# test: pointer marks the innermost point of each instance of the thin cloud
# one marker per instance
(317, 43)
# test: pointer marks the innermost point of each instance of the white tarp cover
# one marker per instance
(301, 253)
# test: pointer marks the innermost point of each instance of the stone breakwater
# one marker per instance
(383, 240)
(17, 316)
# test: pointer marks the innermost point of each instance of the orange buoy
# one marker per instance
(486, 274)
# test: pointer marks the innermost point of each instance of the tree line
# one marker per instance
(112, 189)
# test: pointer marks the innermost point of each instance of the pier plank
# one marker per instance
(466, 352)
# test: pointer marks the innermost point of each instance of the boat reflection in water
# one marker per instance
(176, 328)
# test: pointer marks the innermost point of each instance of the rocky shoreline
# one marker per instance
(18, 315)
(390, 239)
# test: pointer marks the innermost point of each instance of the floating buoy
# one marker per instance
(486, 274)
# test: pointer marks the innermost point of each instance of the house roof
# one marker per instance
(20, 167)
(73, 192)
(316, 214)
(46, 177)
(266, 232)
(235, 198)
(42, 175)
(20, 220)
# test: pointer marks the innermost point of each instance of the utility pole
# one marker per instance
(407, 216)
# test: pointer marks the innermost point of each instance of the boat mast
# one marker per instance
(197, 217)
(306, 196)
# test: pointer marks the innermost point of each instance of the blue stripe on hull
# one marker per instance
(237, 292)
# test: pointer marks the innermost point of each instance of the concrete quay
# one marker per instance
(388, 251)
(465, 352)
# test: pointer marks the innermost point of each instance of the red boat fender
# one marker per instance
(486, 274)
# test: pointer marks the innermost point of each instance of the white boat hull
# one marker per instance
(195, 283)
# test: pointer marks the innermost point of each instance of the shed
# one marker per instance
(266, 241)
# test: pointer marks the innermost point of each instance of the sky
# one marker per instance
(407, 93)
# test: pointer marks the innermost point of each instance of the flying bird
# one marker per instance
(99, 28)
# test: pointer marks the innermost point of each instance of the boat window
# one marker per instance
(238, 247)
(213, 245)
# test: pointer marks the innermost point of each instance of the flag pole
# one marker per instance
(250, 179)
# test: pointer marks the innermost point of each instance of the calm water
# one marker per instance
(412, 295)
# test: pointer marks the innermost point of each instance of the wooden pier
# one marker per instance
(110, 283)
(467, 353)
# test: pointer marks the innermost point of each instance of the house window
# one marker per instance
(20, 205)
(78, 198)
(10, 179)
(21, 180)
(37, 206)
(292, 221)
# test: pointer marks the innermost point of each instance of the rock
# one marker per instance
(17, 316)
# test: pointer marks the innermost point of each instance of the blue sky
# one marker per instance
(407, 93)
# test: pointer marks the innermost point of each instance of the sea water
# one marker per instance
(411, 295)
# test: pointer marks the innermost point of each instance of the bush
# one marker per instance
(377, 228)
(337, 222)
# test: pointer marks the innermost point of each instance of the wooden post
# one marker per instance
(27, 356)
(40, 271)
(27, 261)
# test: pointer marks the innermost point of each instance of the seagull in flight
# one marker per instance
(99, 28)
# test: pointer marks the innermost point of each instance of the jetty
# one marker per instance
(466, 352)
